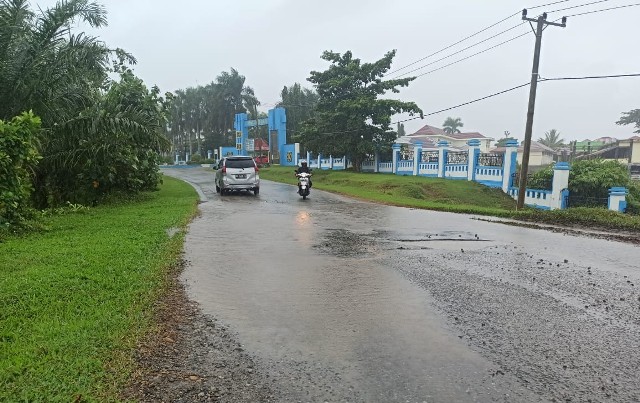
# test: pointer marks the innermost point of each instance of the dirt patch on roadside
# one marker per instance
(192, 358)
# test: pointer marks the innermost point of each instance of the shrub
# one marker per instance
(196, 159)
(18, 157)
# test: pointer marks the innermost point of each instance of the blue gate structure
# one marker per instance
(276, 120)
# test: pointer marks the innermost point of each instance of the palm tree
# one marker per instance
(552, 139)
(452, 125)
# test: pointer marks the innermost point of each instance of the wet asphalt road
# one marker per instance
(340, 300)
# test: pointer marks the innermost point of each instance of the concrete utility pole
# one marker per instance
(541, 24)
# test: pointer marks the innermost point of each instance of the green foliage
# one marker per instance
(552, 139)
(300, 104)
(195, 159)
(630, 118)
(542, 179)
(350, 119)
(202, 118)
(18, 157)
(401, 131)
(76, 299)
(594, 178)
(452, 125)
(113, 144)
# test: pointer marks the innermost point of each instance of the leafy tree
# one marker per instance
(202, 117)
(113, 144)
(552, 139)
(350, 119)
(87, 120)
(300, 104)
(630, 118)
(452, 125)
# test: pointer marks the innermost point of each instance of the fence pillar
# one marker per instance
(319, 160)
(309, 157)
(442, 157)
(559, 184)
(376, 161)
(331, 162)
(417, 158)
(510, 164)
(618, 199)
(474, 152)
(396, 157)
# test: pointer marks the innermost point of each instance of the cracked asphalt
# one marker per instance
(332, 299)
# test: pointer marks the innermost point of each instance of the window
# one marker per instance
(240, 163)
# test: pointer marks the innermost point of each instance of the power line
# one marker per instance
(604, 9)
(460, 51)
(473, 55)
(454, 44)
(473, 35)
(591, 77)
(578, 6)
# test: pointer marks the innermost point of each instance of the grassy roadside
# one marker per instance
(449, 195)
(75, 299)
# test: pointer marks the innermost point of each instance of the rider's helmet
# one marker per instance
(303, 163)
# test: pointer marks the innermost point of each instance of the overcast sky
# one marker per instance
(278, 42)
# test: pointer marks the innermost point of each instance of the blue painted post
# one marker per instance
(396, 157)
(277, 121)
(510, 164)
(442, 157)
(474, 152)
(618, 199)
(241, 127)
(417, 158)
(560, 183)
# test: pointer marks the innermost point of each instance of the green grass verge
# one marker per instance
(75, 299)
(455, 196)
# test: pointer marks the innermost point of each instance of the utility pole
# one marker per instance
(541, 24)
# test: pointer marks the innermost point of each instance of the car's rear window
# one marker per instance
(240, 163)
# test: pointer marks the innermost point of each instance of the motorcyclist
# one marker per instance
(304, 168)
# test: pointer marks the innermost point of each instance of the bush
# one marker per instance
(195, 159)
(594, 178)
(18, 157)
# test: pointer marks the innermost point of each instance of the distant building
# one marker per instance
(432, 135)
(539, 154)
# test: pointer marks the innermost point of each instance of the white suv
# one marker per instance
(237, 173)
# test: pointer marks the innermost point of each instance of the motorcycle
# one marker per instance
(303, 184)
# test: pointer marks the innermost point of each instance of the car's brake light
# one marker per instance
(257, 169)
(224, 169)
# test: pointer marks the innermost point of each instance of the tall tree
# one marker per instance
(452, 125)
(300, 104)
(630, 118)
(350, 119)
(552, 139)
(202, 117)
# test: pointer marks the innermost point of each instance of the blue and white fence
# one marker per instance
(493, 170)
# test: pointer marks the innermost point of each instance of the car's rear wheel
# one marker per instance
(217, 189)
(256, 191)
(223, 191)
